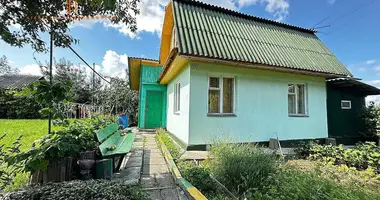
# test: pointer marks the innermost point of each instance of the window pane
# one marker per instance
(214, 82)
(178, 96)
(291, 89)
(301, 99)
(228, 95)
(213, 101)
(291, 104)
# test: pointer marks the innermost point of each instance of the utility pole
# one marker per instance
(93, 84)
(51, 72)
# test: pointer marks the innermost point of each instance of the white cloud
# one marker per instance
(377, 68)
(32, 69)
(114, 65)
(152, 13)
(373, 82)
(369, 62)
(279, 8)
(374, 98)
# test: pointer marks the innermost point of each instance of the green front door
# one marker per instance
(153, 109)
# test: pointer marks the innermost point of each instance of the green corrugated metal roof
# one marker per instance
(210, 31)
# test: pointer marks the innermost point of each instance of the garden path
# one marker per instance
(156, 177)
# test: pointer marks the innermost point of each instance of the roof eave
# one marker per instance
(261, 66)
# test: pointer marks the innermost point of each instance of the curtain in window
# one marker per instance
(228, 92)
(301, 99)
(213, 101)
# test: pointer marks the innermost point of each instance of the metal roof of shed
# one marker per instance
(352, 83)
(17, 80)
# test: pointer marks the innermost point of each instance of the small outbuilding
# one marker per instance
(345, 103)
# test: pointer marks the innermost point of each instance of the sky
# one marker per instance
(352, 35)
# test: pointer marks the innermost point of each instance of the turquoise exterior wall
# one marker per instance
(261, 106)
(178, 123)
(148, 82)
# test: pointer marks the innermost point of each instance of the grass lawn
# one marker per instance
(31, 130)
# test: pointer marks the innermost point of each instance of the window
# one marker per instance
(296, 99)
(177, 97)
(345, 104)
(221, 95)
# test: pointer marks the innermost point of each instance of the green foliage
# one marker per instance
(33, 17)
(172, 147)
(93, 189)
(73, 137)
(30, 131)
(303, 149)
(197, 176)
(243, 168)
(5, 68)
(292, 184)
(8, 173)
(47, 95)
(361, 157)
(18, 107)
(370, 116)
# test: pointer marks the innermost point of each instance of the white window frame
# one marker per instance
(345, 101)
(296, 101)
(220, 89)
(177, 98)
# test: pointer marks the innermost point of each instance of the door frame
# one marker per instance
(146, 104)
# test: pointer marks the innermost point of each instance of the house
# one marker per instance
(17, 81)
(222, 73)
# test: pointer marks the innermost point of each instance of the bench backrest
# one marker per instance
(109, 142)
(104, 133)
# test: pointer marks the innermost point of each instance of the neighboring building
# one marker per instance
(17, 81)
(226, 74)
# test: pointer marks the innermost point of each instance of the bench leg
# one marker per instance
(120, 162)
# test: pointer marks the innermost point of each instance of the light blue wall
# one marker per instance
(148, 82)
(261, 106)
(178, 123)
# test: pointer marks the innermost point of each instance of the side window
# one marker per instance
(221, 93)
(345, 104)
(177, 97)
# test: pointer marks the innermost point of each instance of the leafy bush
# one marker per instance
(8, 172)
(243, 168)
(371, 121)
(361, 157)
(303, 150)
(172, 147)
(18, 107)
(291, 184)
(93, 189)
(197, 176)
(73, 137)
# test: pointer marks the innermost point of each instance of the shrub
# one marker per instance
(303, 149)
(8, 172)
(197, 176)
(93, 189)
(73, 137)
(292, 184)
(361, 157)
(166, 139)
(243, 168)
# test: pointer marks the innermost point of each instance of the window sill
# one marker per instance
(221, 115)
(177, 113)
(295, 115)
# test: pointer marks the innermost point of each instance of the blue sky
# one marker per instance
(354, 39)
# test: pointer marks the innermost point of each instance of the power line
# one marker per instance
(88, 65)
(344, 15)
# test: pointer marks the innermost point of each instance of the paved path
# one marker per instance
(156, 177)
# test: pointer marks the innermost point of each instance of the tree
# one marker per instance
(5, 68)
(66, 71)
(35, 17)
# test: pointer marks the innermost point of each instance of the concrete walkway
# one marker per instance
(156, 178)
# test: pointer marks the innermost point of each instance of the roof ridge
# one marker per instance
(247, 16)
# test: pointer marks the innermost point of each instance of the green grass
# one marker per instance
(31, 130)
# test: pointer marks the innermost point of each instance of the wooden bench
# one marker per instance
(114, 143)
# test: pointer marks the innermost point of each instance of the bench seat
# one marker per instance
(117, 144)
